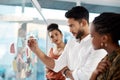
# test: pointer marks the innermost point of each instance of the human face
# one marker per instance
(55, 36)
(75, 28)
(96, 37)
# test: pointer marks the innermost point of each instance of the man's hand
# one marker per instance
(33, 45)
(68, 73)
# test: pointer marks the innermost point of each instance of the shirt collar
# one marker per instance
(84, 39)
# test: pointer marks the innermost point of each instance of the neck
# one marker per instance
(61, 45)
(84, 36)
(111, 48)
(86, 32)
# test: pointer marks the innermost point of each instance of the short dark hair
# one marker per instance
(53, 26)
(108, 23)
(78, 12)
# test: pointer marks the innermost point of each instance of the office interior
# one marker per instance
(20, 19)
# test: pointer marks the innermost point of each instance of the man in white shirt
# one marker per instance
(78, 55)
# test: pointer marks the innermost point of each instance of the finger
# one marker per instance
(108, 63)
(100, 70)
(31, 37)
(106, 60)
(102, 64)
(30, 42)
(102, 67)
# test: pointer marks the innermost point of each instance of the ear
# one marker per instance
(104, 38)
(84, 22)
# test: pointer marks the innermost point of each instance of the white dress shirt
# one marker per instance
(80, 57)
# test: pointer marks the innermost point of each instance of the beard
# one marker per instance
(80, 34)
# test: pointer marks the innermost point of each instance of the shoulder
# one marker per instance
(72, 41)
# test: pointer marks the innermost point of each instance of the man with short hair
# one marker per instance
(78, 55)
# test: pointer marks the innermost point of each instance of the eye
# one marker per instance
(70, 25)
(56, 34)
(51, 36)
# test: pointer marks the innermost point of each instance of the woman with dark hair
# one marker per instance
(105, 32)
(56, 37)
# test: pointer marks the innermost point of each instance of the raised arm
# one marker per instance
(33, 45)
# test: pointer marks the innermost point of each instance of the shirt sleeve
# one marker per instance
(84, 73)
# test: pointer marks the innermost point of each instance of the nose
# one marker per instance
(54, 38)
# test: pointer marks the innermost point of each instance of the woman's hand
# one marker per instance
(102, 66)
